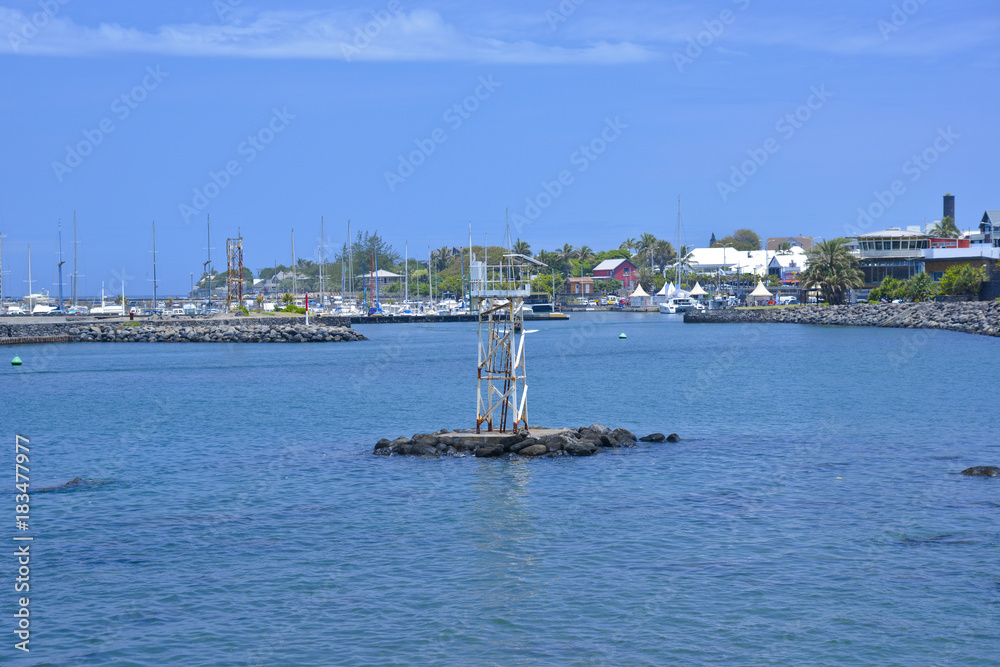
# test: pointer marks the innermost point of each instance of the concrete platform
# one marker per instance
(493, 437)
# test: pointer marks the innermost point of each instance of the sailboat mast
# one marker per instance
(30, 308)
(295, 289)
(406, 270)
(322, 286)
(154, 264)
(61, 262)
(350, 255)
(678, 272)
(75, 271)
(208, 264)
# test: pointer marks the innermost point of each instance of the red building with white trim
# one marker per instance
(618, 269)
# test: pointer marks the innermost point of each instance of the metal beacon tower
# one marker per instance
(497, 292)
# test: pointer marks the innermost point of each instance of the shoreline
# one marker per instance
(974, 317)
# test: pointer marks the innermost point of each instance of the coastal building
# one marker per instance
(382, 278)
(618, 269)
(989, 230)
(757, 262)
(775, 243)
(579, 286)
(786, 267)
(903, 253)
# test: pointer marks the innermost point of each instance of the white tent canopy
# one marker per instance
(698, 290)
(760, 292)
(639, 292)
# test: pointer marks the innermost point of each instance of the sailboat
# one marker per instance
(677, 300)
(105, 309)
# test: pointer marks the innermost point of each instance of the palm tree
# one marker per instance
(521, 248)
(833, 270)
(628, 244)
(441, 257)
(645, 247)
(683, 262)
(946, 229)
(547, 258)
(565, 254)
(584, 254)
(663, 253)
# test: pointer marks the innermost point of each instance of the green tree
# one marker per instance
(441, 257)
(963, 280)
(628, 245)
(607, 286)
(522, 248)
(919, 287)
(544, 283)
(645, 246)
(663, 253)
(711, 242)
(565, 254)
(833, 270)
(946, 229)
(646, 279)
(741, 239)
(891, 288)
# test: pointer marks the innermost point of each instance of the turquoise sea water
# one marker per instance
(811, 514)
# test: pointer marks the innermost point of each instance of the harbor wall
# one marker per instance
(236, 330)
(975, 317)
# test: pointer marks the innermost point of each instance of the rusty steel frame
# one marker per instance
(234, 273)
(497, 293)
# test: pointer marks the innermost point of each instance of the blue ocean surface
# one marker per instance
(234, 514)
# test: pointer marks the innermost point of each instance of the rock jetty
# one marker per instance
(975, 317)
(982, 471)
(583, 441)
(212, 333)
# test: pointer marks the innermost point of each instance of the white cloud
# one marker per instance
(418, 35)
(595, 34)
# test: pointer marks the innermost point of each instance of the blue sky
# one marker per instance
(782, 117)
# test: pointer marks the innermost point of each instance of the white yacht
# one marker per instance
(678, 304)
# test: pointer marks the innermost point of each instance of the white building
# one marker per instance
(758, 262)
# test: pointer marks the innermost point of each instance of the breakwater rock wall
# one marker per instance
(976, 317)
(203, 331)
(583, 441)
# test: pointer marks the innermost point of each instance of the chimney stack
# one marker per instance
(949, 207)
